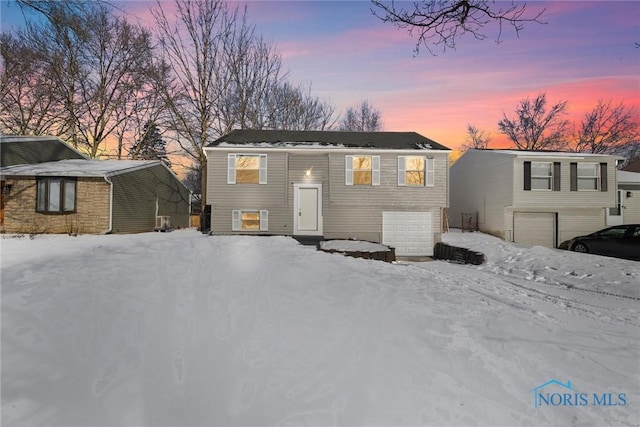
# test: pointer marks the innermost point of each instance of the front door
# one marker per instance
(614, 215)
(307, 215)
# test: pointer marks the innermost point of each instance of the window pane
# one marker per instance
(540, 169)
(540, 183)
(41, 197)
(587, 183)
(54, 195)
(250, 220)
(361, 177)
(69, 196)
(362, 163)
(587, 170)
(415, 178)
(247, 176)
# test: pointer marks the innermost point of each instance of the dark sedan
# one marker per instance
(620, 241)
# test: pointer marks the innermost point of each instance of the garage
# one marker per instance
(410, 233)
(535, 228)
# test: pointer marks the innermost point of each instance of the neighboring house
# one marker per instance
(627, 208)
(91, 196)
(533, 197)
(21, 150)
(634, 166)
(388, 187)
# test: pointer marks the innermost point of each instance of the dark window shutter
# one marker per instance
(556, 176)
(573, 169)
(603, 177)
(527, 176)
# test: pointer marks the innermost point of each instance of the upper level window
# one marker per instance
(362, 170)
(247, 169)
(415, 170)
(541, 176)
(56, 195)
(587, 176)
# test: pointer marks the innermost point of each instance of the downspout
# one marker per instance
(110, 229)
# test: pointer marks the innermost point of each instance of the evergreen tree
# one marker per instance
(150, 145)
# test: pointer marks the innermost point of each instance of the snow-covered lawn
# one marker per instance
(183, 329)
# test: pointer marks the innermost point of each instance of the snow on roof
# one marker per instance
(525, 153)
(79, 168)
(326, 139)
(628, 177)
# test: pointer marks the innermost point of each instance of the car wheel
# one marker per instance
(580, 247)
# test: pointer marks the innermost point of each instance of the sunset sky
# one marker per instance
(586, 51)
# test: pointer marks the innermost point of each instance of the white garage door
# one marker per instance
(534, 228)
(410, 233)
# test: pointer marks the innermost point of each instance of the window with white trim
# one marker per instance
(56, 195)
(362, 170)
(541, 175)
(588, 176)
(249, 220)
(415, 171)
(247, 169)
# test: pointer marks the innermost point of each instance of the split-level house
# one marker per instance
(533, 197)
(386, 187)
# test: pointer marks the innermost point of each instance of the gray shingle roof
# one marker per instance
(378, 140)
(20, 150)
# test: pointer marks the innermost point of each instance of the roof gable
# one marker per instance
(21, 150)
(327, 139)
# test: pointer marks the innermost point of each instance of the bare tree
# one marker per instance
(362, 118)
(535, 128)
(27, 103)
(295, 108)
(95, 63)
(441, 23)
(193, 44)
(476, 138)
(608, 128)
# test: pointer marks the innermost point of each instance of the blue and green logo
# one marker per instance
(556, 393)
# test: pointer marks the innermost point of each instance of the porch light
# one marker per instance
(629, 193)
(308, 172)
(6, 190)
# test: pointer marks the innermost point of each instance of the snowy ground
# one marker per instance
(183, 329)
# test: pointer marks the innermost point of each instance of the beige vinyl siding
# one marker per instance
(481, 183)
(272, 196)
(388, 193)
(565, 198)
(356, 210)
(136, 193)
(578, 222)
(348, 211)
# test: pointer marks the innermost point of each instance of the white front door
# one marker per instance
(307, 213)
(615, 215)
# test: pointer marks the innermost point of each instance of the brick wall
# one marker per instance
(91, 216)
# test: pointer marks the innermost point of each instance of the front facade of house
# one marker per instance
(537, 198)
(387, 187)
(92, 197)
